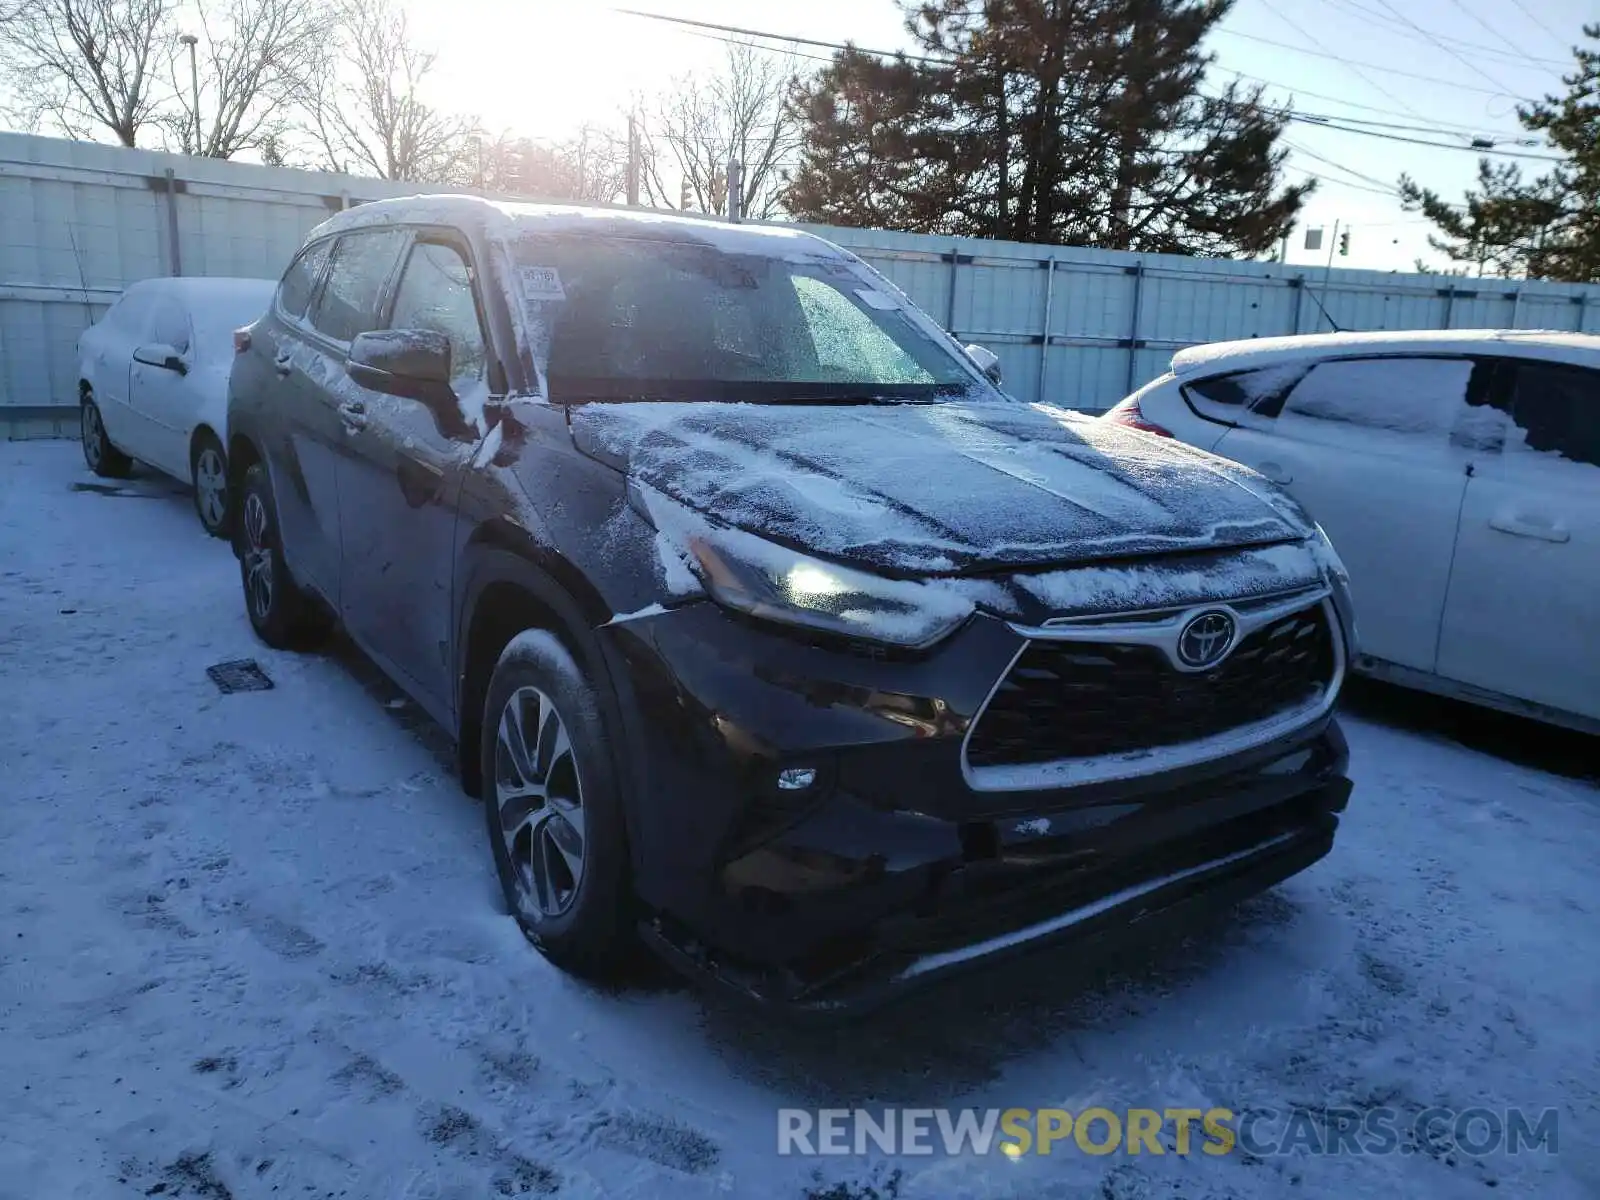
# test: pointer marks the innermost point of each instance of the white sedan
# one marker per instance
(153, 382)
(1458, 475)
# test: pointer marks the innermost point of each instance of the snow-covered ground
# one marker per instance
(250, 946)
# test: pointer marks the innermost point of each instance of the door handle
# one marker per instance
(1545, 531)
(354, 415)
(283, 363)
(1275, 472)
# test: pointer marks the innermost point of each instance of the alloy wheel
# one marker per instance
(211, 485)
(258, 564)
(540, 799)
(89, 430)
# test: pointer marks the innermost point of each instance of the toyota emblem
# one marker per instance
(1206, 639)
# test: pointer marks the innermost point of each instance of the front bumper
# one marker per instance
(890, 870)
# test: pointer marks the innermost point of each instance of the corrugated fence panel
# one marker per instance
(1544, 311)
(246, 238)
(78, 222)
(1092, 302)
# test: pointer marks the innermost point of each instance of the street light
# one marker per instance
(189, 40)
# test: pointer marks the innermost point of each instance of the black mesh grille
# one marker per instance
(1084, 699)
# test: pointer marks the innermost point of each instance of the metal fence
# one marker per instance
(1077, 327)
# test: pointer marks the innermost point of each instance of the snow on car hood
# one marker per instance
(938, 488)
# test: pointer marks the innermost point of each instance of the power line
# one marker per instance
(1464, 131)
(731, 41)
(1320, 120)
(1299, 91)
(1471, 66)
(1498, 90)
(1537, 20)
(1323, 122)
(1353, 68)
(1355, 187)
(778, 37)
(1493, 32)
(743, 32)
(1362, 10)
(1380, 186)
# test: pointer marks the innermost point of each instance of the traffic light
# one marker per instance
(683, 195)
(1344, 243)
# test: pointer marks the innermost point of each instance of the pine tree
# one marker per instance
(1080, 122)
(1544, 228)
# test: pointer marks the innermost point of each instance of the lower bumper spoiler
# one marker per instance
(1161, 902)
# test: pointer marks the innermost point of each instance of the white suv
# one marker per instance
(1457, 473)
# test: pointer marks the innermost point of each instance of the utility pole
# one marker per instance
(1327, 275)
(633, 162)
(735, 189)
(189, 40)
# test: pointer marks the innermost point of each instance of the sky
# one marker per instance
(552, 65)
(1440, 71)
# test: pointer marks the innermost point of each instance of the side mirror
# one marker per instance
(159, 354)
(987, 361)
(414, 363)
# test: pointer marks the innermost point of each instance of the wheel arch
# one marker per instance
(241, 454)
(205, 429)
(510, 584)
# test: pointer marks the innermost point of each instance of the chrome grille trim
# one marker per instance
(1160, 627)
(1161, 633)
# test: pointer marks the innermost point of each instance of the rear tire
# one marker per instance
(103, 458)
(208, 471)
(283, 616)
(553, 809)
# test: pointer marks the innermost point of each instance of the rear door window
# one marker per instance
(169, 325)
(1236, 398)
(1408, 396)
(360, 267)
(130, 315)
(300, 280)
(1555, 411)
(1396, 404)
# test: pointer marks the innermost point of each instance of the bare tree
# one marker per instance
(740, 113)
(257, 58)
(82, 66)
(364, 109)
(591, 166)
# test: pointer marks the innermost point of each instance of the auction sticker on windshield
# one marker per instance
(541, 283)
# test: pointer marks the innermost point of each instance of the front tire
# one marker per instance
(208, 470)
(553, 809)
(102, 457)
(283, 616)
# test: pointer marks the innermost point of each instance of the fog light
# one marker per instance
(796, 779)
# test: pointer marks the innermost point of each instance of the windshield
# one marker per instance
(644, 319)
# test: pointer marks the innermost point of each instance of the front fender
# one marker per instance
(560, 599)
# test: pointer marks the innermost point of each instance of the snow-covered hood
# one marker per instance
(939, 488)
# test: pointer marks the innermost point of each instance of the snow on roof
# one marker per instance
(1219, 357)
(507, 220)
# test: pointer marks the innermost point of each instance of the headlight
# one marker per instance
(1339, 580)
(755, 576)
(1326, 556)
